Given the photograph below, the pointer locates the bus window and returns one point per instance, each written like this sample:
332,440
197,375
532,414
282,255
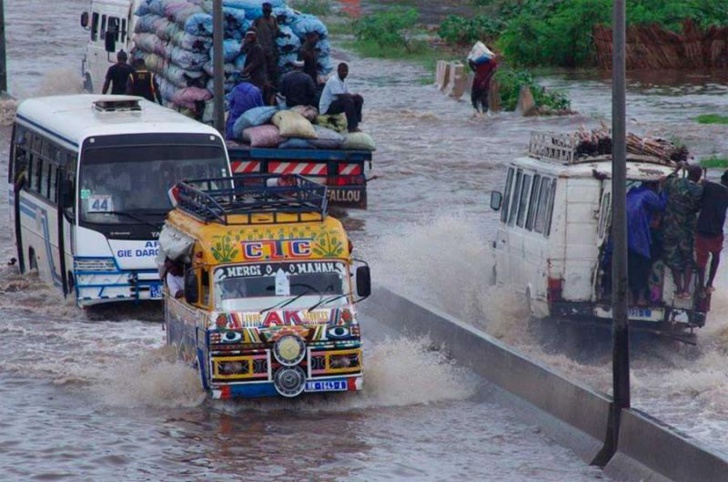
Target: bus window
543,199
95,26
507,196
53,184
550,209
522,203
516,196
45,177
533,203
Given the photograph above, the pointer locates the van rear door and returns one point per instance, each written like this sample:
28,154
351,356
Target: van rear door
602,282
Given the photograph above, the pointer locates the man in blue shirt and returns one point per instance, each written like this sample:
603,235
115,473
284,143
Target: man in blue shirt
643,203
241,99
336,98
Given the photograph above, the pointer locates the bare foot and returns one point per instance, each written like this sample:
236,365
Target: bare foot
709,289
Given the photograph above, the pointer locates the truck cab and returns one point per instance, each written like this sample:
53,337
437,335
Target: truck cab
110,26
270,287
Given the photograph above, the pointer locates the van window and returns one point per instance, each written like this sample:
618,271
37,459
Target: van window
506,196
122,34
516,197
604,214
523,202
94,26
102,35
543,199
550,209
533,202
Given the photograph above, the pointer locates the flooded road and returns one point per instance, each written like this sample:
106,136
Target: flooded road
90,397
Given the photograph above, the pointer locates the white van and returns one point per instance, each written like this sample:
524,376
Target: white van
551,243
110,25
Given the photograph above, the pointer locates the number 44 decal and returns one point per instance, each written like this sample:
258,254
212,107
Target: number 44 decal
100,204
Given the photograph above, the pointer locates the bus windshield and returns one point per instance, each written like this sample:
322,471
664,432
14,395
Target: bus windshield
128,185
289,286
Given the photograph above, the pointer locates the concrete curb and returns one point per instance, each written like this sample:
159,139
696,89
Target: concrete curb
573,414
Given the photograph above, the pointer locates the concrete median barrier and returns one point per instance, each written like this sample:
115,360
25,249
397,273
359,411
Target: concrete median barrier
651,450
572,414
579,415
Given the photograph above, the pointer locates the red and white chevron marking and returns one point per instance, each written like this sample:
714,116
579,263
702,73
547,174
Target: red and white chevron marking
246,166
304,168
349,169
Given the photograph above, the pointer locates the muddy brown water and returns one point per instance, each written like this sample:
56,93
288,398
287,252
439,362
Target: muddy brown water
91,397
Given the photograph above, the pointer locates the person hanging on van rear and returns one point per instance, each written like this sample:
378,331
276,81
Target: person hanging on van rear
118,75
683,202
709,232
143,83
643,203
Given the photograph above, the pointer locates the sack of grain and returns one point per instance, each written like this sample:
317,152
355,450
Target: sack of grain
358,141
293,124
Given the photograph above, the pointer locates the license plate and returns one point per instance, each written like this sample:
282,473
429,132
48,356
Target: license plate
327,386
155,291
639,313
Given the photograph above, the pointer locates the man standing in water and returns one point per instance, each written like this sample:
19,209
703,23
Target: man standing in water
683,201
481,85
709,232
118,75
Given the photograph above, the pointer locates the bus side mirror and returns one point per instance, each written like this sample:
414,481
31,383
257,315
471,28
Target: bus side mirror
496,200
84,20
110,41
191,291
363,282
65,194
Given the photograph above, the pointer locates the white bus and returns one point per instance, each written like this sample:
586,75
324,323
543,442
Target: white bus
88,179
552,243
115,18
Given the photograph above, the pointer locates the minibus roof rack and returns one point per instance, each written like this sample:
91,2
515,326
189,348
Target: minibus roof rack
585,146
216,199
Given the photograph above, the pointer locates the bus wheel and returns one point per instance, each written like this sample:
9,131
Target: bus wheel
88,85
32,262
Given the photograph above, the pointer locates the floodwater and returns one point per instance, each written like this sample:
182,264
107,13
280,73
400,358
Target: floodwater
96,396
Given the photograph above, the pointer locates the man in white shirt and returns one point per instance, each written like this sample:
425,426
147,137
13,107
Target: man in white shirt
175,278
336,98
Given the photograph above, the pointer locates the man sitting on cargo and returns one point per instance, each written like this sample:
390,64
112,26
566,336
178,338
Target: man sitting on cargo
241,99
643,203
683,201
297,87
709,233
336,98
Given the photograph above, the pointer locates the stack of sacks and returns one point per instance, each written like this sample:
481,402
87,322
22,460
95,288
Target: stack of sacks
298,128
175,39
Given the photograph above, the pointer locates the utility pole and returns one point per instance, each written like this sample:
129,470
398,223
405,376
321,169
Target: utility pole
3,62
218,62
620,320
620,330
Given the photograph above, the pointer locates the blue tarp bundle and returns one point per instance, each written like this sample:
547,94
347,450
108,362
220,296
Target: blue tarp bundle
175,39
